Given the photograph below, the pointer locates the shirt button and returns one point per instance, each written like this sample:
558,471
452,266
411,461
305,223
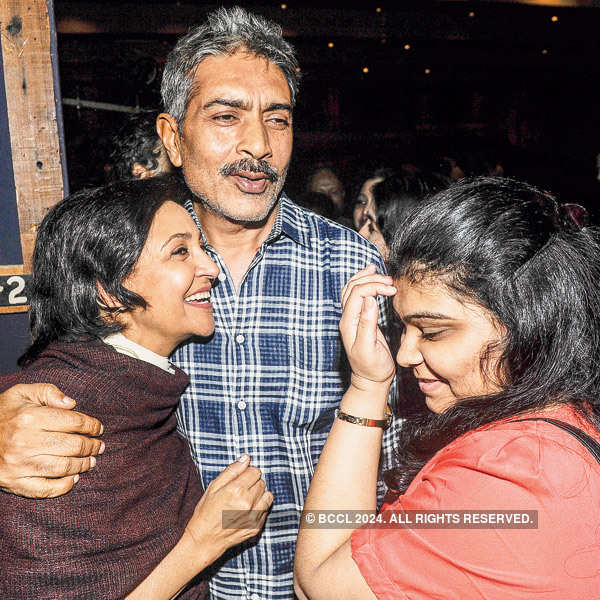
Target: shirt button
221,276
241,405
239,338
255,597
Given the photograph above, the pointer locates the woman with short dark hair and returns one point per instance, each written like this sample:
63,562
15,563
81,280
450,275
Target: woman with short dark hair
497,291
119,280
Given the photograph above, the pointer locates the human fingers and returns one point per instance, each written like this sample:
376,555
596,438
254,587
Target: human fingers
257,506
365,279
251,517
63,444
29,420
59,466
67,421
229,473
257,490
44,394
371,286
40,487
248,478
248,529
366,330
239,494
265,501
262,507
27,449
368,270
48,455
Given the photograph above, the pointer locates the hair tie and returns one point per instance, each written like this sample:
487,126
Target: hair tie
572,217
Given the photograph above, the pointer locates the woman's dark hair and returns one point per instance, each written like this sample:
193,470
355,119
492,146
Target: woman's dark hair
397,194
511,249
93,236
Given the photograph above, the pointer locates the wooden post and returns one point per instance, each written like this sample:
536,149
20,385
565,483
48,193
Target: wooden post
31,108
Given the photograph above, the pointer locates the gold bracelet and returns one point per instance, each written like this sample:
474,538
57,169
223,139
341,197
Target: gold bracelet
364,421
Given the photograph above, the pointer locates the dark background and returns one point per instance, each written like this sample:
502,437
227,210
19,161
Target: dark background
506,83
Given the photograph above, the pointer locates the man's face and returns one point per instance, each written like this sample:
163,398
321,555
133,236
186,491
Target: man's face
236,140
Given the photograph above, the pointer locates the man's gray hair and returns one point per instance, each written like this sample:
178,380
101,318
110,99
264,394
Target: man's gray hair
225,31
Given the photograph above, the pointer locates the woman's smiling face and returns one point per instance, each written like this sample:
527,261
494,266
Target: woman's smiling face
443,342
174,275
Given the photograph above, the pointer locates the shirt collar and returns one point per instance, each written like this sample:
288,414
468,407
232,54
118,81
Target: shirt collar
291,221
294,222
124,345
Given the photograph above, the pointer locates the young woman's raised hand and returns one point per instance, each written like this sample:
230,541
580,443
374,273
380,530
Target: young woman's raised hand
367,350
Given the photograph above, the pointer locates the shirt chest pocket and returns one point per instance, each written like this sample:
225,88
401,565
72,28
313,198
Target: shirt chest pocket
304,379
309,353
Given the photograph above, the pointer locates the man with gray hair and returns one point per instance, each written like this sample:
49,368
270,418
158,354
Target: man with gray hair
269,381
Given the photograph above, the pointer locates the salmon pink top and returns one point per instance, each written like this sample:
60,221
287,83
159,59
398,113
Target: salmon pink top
505,466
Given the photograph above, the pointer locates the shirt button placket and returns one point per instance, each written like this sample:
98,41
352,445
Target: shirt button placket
241,404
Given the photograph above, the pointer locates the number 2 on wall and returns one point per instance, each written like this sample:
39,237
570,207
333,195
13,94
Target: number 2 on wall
13,296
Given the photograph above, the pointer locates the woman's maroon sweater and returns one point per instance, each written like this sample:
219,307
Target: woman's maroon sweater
106,535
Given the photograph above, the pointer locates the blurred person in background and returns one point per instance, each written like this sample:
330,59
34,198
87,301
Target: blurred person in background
325,181
318,203
138,151
387,197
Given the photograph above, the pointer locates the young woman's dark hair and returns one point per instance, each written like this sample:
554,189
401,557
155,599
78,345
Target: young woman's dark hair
511,249
397,194
93,236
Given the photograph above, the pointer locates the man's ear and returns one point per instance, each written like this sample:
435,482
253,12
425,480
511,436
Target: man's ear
106,301
168,131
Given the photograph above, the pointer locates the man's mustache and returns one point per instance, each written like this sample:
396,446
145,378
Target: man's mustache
252,166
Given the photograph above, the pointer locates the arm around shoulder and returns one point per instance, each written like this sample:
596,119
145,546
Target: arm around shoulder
35,418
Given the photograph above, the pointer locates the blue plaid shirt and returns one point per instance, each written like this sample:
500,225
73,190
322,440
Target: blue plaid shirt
268,382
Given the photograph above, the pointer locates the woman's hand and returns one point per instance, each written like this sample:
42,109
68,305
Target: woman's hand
367,350
346,474
239,490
